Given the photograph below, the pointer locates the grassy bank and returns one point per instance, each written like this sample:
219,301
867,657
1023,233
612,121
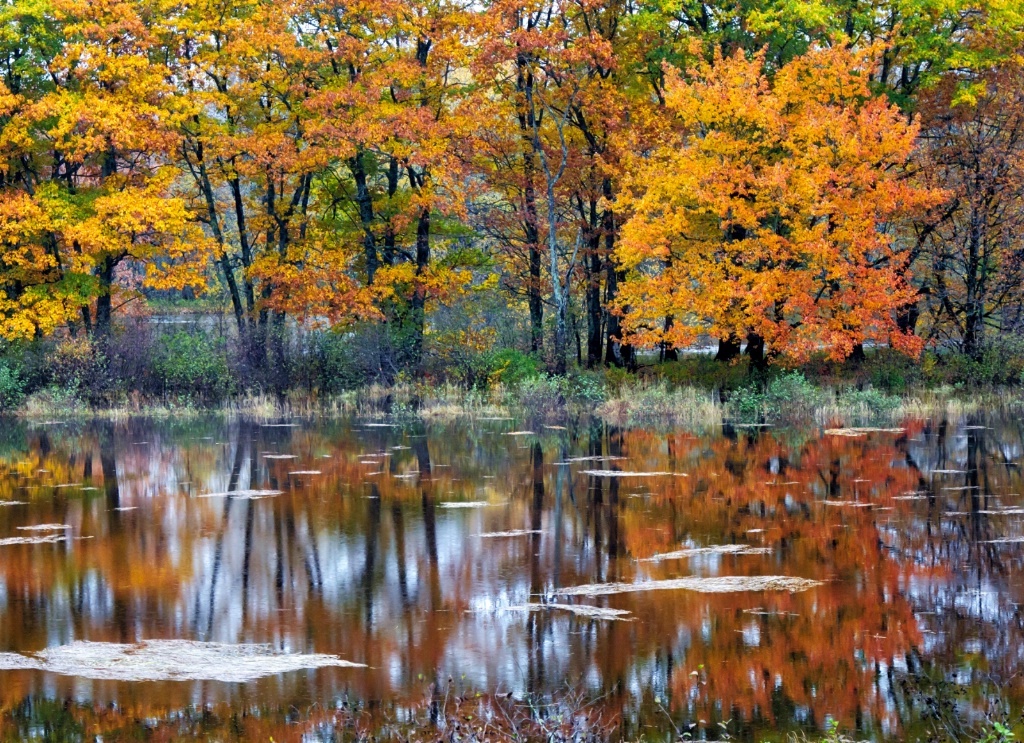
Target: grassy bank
197,370
785,399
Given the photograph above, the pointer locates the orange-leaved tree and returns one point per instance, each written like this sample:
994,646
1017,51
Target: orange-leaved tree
773,212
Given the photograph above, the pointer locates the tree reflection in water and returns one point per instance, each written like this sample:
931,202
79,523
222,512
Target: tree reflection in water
912,534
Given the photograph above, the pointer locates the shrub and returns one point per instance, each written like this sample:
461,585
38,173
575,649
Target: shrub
1001,363
77,368
538,394
785,396
581,388
658,404
891,370
511,367
865,405
701,370
336,363
191,363
12,389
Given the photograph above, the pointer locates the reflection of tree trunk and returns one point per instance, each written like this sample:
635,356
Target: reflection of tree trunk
218,552
253,465
430,533
108,466
971,482
596,488
369,560
615,450
398,522
279,563
561,478
247,558
535,622
613,524
536,516
422,456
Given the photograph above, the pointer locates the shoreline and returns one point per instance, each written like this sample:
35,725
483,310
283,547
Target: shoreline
633,404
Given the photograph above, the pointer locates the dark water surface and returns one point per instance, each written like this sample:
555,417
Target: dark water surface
911,533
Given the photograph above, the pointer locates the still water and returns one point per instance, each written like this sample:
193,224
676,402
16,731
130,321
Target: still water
413,549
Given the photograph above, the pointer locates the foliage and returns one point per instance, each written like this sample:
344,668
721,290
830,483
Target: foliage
192,363
511,368
702,371
76,364
760,215
12,388
660,405
785,396
974,147
429,189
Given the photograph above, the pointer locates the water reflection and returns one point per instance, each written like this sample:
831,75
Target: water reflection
340,538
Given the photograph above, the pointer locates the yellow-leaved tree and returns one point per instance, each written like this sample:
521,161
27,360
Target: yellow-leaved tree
86,174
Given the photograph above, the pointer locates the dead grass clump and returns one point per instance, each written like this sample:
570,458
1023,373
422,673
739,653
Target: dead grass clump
656,404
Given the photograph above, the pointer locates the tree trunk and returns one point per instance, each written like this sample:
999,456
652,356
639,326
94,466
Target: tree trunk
668,351
418,304
365,203
389,228
756,352
593,290
729,348
536,304
243,243
974,301
974,331
105,274
524,85
617,353
560,293
906,318
224,261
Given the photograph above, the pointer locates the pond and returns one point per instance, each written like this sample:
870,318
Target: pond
256,579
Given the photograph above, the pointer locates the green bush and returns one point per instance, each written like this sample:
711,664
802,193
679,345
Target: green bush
891,370
702,371
335,365
869,403
76,364
784,396
582,388
1001,363
544,393
12,388
191,363
538,394
511,367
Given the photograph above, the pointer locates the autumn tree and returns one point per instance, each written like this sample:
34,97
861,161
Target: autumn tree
773,214
87,180
244,77
973,145
553,102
